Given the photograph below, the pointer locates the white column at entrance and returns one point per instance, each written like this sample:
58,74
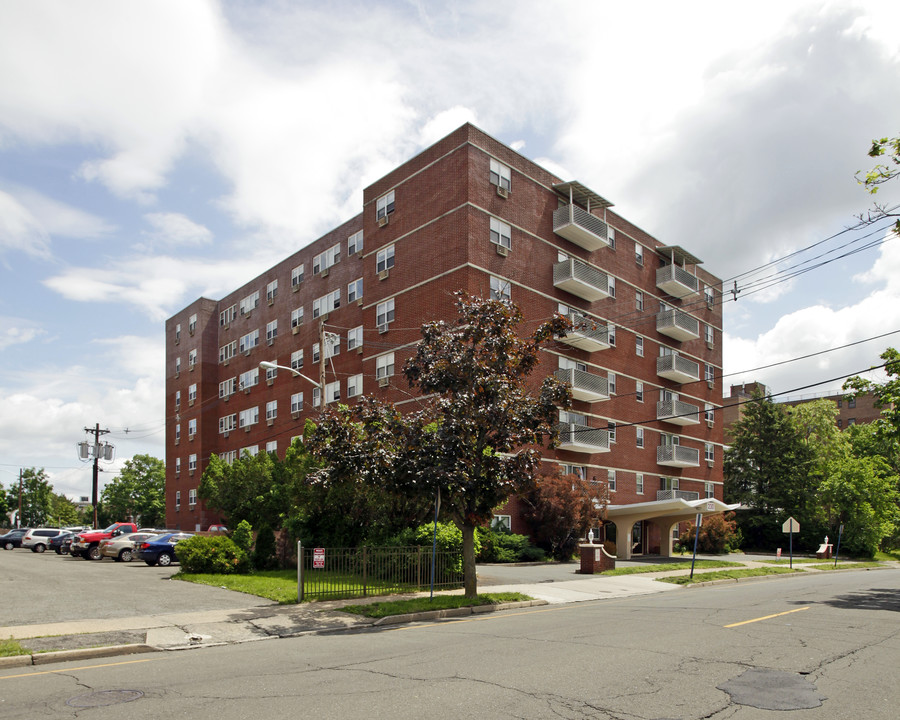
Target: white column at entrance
665,541
623,538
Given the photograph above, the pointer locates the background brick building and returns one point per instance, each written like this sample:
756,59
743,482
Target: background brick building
468,213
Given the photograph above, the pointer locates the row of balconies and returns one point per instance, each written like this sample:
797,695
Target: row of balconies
585,439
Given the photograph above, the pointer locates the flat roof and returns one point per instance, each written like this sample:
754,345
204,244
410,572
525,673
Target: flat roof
581,194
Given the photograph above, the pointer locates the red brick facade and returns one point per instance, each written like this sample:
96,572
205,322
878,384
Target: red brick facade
440,228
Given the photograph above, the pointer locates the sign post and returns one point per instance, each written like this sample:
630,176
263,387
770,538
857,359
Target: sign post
696,535
840,534
790,527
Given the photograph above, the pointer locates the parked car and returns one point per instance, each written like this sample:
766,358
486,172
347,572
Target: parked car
161,549
61,543
121,548
37,539
13,538
87,544
218,528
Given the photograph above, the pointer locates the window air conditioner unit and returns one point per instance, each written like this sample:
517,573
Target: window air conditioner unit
502,191
270,341
384,382
710,384
270,382
247,352
270,422
226,433
177,375
191,436
383,328
295,415
710,463
359,302
710,344
325,272
359,350
246,428
710,423
383,274
382,221
225,398
191,402
295,288
271,301
295,329
502,250
178,508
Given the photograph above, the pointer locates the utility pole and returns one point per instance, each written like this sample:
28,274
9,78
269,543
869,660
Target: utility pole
321,366
19,516
85,449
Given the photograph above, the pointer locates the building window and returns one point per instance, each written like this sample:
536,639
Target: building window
250,450
177,365
851,421
227,351
501,234
227,316
317,396
271,331
710,413
639,483
355,243
192,497
315,353
576,470
248,417
611,480
354,385
227,423
296,317
271,373
332,345
384,313
501,523
177,399
851,403
271,410
710,373
639,253
639,392
192,324
249,341
611,380
639,437
192,427
710,489
611,426
639,346
272,446
297,275
639,301
192,462
611,334
177,492
333,391
326,303
226,387
500,175
325,260
248,303
500,289
355,338
229,456
840,423
710,297
271,291
384,259
384,365
710,452
248,379
177,471
668,483
710,336
192,359
297,359
355,290
384,206
296,402
611,238
177,432
612,286
178,333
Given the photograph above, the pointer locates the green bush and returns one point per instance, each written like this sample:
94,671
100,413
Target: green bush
718,534
263,557
505,547
243,536
216,554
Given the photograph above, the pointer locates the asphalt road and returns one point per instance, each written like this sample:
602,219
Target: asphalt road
47,588
824,647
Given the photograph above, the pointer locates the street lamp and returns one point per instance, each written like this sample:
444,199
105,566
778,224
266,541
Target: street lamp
266,365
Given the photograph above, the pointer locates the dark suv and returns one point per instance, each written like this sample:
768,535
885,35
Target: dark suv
13,538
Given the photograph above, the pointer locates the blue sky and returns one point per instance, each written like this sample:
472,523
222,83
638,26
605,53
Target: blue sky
153,152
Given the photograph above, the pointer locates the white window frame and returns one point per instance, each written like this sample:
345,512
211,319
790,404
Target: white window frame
177,471
271,291
709,452
710,335
248,379
332,391
297,275
192,462
249,303
612,285
639,437
324,260
227,387
228,351
500,175
611,383
192,427
177,399
355,243
296,402
639,483
639,253
639,301
297,317
611,334
384,205
355,290
354,385
249,341
271,409
248,417
192,358
384,258
271,330
611,480
297,359
327,303
611,430
500,289
384,365
384,313
639,392
192,392
639,346
355,337
501,233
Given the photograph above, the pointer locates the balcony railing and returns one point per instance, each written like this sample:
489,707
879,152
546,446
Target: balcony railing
676,281
677,456
586,334
677,324
677,412
580,279
581,227
583,439
677,368
585,386
673,494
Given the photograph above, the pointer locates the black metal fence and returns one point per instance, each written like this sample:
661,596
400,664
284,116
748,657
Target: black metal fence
332,573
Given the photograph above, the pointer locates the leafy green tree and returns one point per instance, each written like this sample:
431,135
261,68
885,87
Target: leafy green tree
65,512
37,498
4,506
139,492
253,488
474,439
882,173
887,397
769,469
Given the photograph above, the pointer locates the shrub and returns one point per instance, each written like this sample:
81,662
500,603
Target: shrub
718,535
505,547
243,536
263,556
217,554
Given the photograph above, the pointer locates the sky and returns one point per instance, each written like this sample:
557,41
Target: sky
154,152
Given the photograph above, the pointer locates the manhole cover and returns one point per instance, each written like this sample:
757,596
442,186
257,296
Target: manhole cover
773,690
104,698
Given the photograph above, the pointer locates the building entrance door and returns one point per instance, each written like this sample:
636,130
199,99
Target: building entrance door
638,539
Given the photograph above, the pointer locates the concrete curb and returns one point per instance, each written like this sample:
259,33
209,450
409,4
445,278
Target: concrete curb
428,615
808,571
48,658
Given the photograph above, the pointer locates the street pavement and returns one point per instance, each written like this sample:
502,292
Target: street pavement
99,637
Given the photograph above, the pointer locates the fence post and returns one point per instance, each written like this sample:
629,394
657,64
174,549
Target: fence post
299,571
365,571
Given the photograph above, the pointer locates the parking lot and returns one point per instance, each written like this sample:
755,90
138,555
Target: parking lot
46,588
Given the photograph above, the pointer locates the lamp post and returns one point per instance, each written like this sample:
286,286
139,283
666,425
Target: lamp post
266,365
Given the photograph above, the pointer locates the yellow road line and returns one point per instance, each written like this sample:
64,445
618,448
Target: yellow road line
84,667
767,617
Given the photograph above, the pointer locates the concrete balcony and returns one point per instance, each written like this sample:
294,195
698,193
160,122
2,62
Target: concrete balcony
580,279
677,412
583,439
678,325
688,495
580,227
676,281
677,368
677,456
586,334
585,386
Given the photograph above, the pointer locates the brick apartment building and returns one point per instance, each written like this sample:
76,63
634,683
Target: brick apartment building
469,213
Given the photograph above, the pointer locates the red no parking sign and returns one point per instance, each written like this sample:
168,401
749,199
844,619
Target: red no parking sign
318,558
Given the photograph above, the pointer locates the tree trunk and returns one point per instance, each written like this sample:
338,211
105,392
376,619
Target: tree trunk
470,580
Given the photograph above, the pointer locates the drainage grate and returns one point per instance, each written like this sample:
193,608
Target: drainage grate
104,698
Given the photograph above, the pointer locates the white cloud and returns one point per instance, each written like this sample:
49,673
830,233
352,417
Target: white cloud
17,331
176,230
20,230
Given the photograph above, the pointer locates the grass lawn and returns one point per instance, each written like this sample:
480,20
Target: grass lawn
889,555
787,561
728,574
10,647
663,567
845,565
439,602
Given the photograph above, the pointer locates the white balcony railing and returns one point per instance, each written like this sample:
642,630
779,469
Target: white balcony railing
678,325
673,494
677,412
581,227
583,439
677,456
677,368
676,281
580,279
586,334
585,386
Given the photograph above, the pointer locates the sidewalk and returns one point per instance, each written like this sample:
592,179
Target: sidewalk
82,639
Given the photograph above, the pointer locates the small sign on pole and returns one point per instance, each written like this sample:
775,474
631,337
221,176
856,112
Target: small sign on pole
790,527
318,558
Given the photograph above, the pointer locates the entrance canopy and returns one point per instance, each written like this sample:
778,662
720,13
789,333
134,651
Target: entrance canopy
664,513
